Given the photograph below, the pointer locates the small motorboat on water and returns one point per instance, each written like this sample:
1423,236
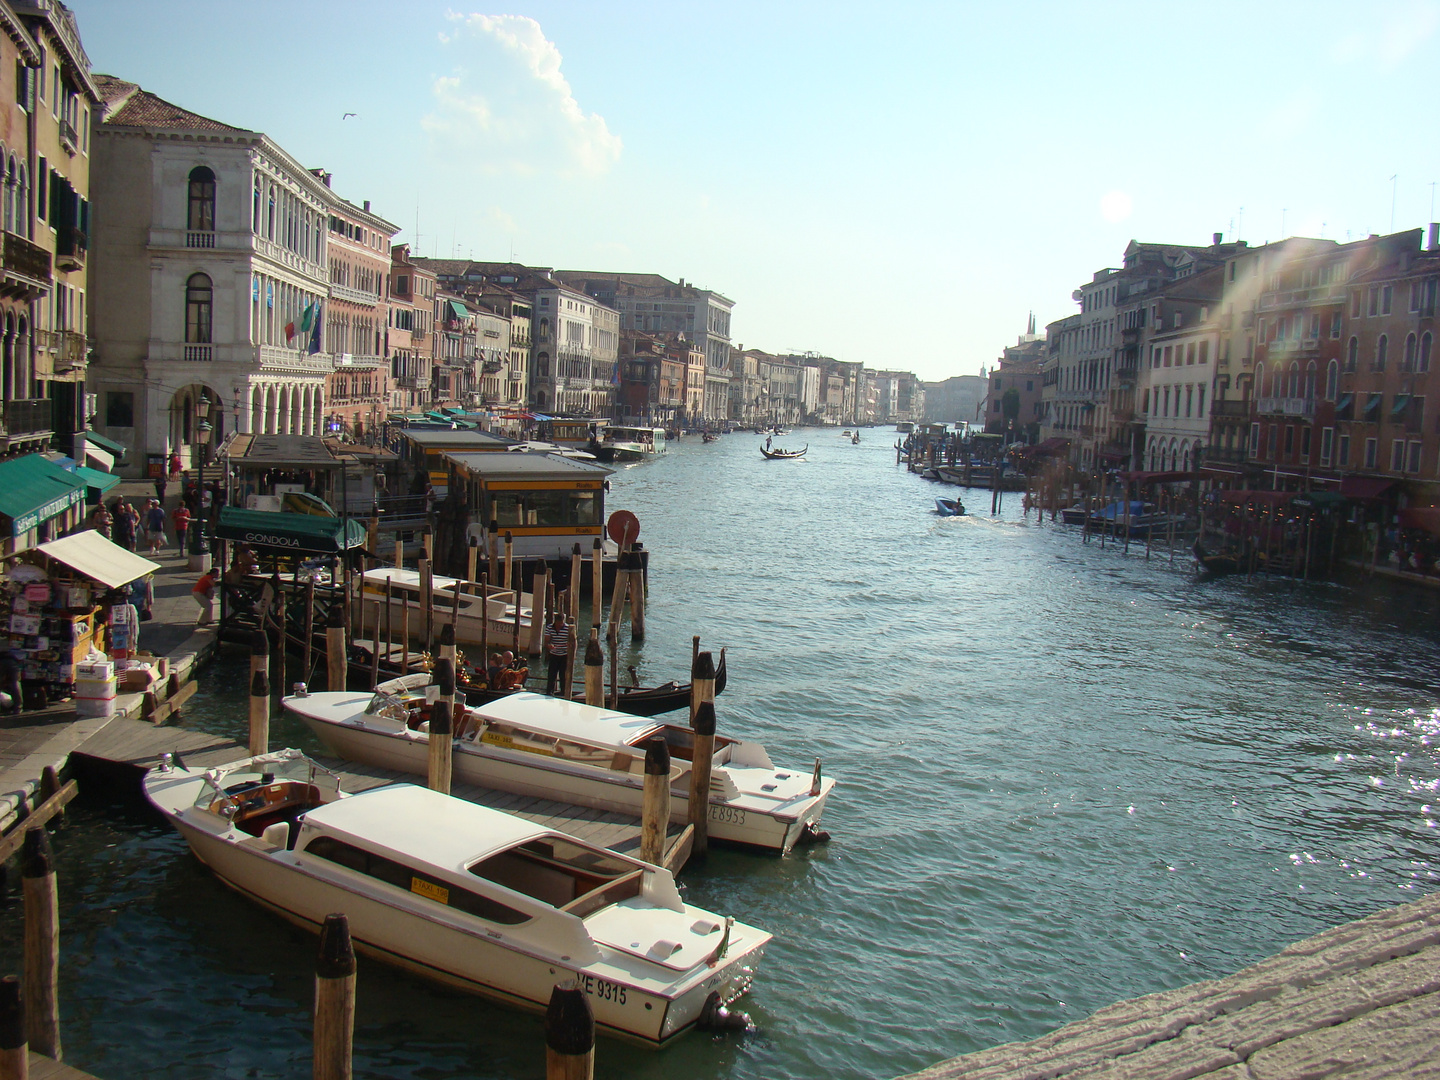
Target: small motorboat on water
462,894
551,748
949,507
1215,564
783,455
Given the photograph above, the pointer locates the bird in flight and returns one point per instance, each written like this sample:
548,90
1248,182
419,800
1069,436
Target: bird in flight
348,115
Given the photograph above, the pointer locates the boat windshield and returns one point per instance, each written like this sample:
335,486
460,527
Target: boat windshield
390,706
274,771
563,873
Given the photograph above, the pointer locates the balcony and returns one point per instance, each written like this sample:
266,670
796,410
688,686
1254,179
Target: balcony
1234,455
354,296
492,367
70,248
34,416
276,358
1233,409
27,265
200,239
1299,407
67,347
201,354
1324,294
67,137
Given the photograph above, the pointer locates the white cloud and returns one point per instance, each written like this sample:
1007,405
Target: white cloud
1399,31
508,102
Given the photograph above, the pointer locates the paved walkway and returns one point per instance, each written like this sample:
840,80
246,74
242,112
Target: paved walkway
1361,1001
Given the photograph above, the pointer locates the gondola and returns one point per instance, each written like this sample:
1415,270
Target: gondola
1215,564
784,455
949,507
709,436
636,700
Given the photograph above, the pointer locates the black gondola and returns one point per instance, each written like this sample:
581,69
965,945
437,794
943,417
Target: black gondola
783,455
1215,564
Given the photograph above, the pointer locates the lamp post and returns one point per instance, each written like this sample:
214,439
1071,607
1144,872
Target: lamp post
199,555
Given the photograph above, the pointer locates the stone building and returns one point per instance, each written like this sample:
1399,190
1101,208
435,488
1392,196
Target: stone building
212,279
357,317
411,321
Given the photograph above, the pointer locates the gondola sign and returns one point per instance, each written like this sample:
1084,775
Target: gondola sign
623,527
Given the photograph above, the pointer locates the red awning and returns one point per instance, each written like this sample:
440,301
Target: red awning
1364,487
1264,498
1421,517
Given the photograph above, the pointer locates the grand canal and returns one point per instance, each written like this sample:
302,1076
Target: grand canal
1068,776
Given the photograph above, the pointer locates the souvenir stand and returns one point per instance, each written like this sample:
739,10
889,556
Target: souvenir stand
52,602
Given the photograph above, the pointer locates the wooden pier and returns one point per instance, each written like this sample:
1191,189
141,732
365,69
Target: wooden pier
125,746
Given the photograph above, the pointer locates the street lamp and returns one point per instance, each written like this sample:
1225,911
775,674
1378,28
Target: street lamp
198,553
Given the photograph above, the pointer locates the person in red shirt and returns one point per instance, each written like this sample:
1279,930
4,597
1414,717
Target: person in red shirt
180,518
204,594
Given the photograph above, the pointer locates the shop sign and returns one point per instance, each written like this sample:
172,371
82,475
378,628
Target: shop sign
27,521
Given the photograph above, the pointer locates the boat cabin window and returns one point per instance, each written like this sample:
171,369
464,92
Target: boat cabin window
556,507
680,741
411,880
559,872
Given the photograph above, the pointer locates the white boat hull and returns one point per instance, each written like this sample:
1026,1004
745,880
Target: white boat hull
540,777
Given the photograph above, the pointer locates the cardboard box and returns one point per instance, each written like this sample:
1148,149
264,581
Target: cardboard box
137,680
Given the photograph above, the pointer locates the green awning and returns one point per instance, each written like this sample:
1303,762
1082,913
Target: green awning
95,479
33,490
1402,402
458,309
1320,500
1372,404
302,533
107,444
1344,402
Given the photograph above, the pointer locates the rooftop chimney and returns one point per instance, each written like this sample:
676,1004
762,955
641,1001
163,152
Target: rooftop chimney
367,210
1432,243
1215,238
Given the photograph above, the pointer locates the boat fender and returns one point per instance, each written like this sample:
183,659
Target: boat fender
716,1017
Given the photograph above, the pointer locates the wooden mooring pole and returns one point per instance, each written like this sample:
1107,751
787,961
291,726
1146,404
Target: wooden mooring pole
569,1035
704,753
655,811
42,944
597,578
259,714
14,1047
539,590
702,681
334,1001
442,714
335,665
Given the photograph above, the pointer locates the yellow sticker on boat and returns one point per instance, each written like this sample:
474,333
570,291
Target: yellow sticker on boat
495,738
430,889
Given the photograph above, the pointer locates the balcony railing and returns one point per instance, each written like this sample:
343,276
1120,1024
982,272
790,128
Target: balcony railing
1230,454
29,417
67,136
67,345
200,239
1285,406
199,353
1230,408
355,296
70,248
26,260
491,367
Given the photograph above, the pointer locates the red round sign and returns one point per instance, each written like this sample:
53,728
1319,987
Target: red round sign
623,527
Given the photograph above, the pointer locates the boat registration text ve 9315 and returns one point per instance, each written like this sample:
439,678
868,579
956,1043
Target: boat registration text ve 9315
600,988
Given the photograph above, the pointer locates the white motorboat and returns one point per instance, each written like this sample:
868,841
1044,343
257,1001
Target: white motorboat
496,606
551,748
462,894
623,444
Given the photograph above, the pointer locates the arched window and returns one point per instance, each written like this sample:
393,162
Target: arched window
1426,341
1294,379
11,184
201,214
199,301
1409,364
542,364
1259,380
1332,380
255,206
1352,354
270,215
1382,349
1310,381
22,203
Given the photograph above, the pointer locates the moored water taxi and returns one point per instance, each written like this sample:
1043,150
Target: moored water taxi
462,894
551,748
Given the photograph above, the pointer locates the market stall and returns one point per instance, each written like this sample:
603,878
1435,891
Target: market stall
59,602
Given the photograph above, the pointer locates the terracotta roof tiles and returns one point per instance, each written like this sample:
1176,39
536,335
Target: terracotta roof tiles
140,108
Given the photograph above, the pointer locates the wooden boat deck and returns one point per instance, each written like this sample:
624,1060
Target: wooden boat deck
139,744
44,1068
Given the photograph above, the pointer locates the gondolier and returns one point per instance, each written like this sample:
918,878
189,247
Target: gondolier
558,640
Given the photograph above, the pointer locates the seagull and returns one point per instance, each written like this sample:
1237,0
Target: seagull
348,115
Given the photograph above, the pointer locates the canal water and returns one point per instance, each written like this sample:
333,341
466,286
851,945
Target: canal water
1067,776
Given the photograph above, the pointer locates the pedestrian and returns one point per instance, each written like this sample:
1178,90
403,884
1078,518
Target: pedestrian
126,524
175,466
160,486
180,518
155,525
204,594
100,520
557,652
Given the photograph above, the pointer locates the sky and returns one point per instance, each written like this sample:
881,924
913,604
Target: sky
897,184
